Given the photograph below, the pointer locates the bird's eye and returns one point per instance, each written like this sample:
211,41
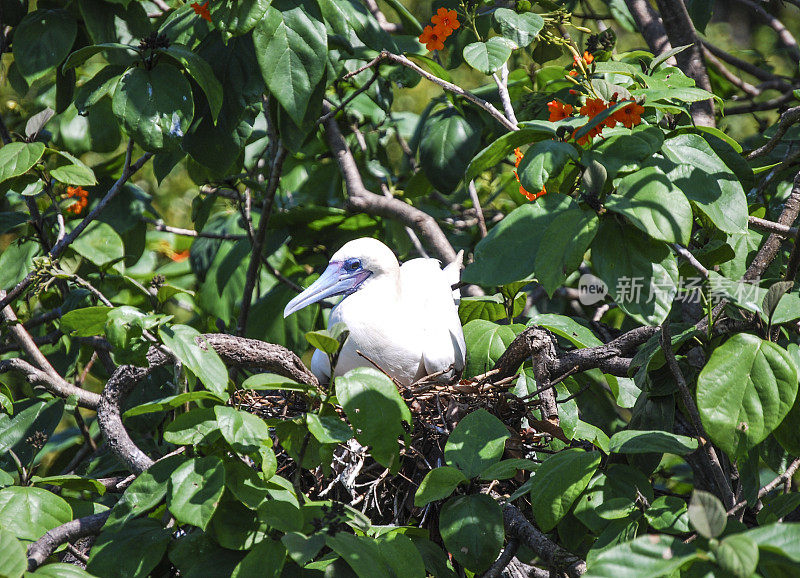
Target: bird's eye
352,265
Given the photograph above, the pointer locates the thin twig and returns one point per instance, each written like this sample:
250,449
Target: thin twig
160,226
787,475
788,118
476,204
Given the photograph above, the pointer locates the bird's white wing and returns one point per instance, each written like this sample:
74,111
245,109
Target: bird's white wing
453,275
321,367
426,290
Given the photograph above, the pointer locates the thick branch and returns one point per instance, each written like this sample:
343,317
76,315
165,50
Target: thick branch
549,552
359,199
54,384
680,31
651,28
234,351
44,547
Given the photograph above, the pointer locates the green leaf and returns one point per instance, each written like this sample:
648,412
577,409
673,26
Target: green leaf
82,54
544,160
154,106
302,548
195,427
15,261
85,322
72,482
245,432
521,29
145,492
622,149
477,442
558,482
59,570
322,341
361,553
649,200
133,550
42,417
376,412
76,173
782,538
707,514
449,141
172,402
642,442
568,328
645,557
291,48
41,41
245,484
100,244
28,513
668,514
14,561
487,57
17,158
472,530
272,381
438,484
328,429
202,73
486,342
238,18
641,273
195,488
203,362
738,555
490,308
507,469
499,149
265,560
744,392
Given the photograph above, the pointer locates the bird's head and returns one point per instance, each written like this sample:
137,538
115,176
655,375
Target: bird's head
350,269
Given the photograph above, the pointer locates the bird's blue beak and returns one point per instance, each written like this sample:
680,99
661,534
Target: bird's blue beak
334,281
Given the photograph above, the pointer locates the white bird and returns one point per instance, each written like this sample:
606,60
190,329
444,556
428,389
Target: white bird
404,318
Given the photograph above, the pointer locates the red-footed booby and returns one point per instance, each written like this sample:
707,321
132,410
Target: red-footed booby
403,318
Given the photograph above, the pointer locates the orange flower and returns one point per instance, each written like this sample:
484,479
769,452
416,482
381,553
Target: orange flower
629,116
559,110
433,37
81,202
573,73
447,19
593,107
532,196
201,10
587,58
180,256
587,138
517,157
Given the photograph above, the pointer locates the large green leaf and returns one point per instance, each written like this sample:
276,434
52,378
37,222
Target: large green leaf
145,492
510,251
486,342
737,554
203,362
781,538
41,41
472,530
291,48
706,181
14,561
558,482
544,160
521,29
707,514
477,442
376,412
438,484
38,420
649,200
487,57
237,17
195,488
100,244
744,392
641,273
448,143
563,244
154,106
17,158
28,512
642,442
622,149
645,557
245,432
15,261
202,73
361,553
132,550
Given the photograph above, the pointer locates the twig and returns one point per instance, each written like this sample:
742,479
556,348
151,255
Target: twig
743,65
476,204
772,227
502,88
787,475
694,415
735,80
496,569
783,33
54,384
160,226
387,26
261,234
350,98
449,86
691,259
788,118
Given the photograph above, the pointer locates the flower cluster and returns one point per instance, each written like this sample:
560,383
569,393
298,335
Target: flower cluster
81,202
628,116
201,10
530,196
442,25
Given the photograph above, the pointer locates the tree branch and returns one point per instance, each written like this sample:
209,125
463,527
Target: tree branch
44,547
788,118
359,199
783,33
651,28
234,351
